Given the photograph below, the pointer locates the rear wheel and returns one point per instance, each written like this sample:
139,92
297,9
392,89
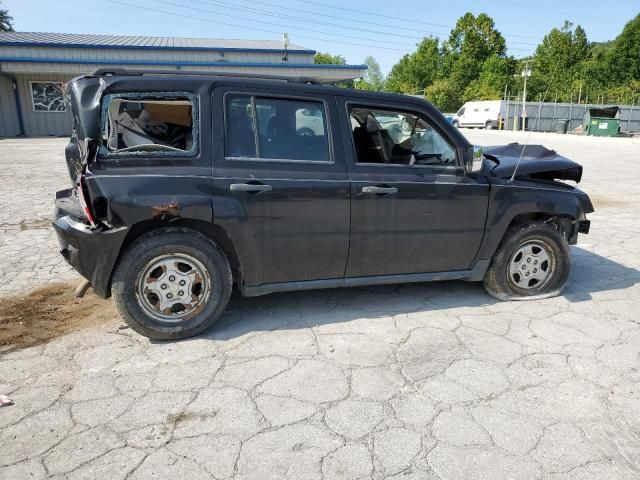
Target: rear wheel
172,284
488,126
532,262
456,124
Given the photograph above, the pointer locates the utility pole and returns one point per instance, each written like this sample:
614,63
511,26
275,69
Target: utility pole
525,74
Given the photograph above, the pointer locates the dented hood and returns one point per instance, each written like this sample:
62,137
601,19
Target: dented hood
537,162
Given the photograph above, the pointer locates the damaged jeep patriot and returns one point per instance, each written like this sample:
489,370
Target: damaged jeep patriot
187,184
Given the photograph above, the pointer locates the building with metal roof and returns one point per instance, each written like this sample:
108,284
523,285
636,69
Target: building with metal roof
34,65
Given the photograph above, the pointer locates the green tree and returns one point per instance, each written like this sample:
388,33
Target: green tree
496,72
400,79
471,42
444,95
623,59
416,71
6,21
595,70
328,59
372,78
626,93
559,61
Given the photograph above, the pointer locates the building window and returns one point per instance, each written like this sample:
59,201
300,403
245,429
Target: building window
48,97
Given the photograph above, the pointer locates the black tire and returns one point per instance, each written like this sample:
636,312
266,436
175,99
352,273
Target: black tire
499,282
455,124
488,126
166,242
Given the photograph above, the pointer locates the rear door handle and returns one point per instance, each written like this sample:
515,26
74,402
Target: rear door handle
382,190
250,187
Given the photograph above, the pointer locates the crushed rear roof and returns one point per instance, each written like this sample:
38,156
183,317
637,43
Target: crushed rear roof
125,41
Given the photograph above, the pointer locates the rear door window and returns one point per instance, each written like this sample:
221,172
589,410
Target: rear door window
276,129
151,123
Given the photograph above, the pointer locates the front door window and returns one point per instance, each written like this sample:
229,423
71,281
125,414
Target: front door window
388,137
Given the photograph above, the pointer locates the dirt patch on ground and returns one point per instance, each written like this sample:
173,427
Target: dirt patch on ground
35,223
604,201
47,313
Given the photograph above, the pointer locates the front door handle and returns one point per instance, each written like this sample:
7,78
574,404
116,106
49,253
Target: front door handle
250,187
380,190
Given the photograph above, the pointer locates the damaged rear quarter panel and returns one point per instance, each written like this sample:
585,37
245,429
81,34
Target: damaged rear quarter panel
126,189
125,200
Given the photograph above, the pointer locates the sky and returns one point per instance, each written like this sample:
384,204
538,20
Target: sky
381,28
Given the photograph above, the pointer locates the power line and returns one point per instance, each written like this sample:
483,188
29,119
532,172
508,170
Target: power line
219,22
551,10
235,7
283,25
290,27
318,14
410,20
271,14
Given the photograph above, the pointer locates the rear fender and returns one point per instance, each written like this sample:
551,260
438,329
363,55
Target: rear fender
121,202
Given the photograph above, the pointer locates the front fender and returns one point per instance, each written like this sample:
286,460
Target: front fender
508,200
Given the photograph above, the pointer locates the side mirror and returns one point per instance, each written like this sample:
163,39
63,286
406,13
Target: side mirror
475,160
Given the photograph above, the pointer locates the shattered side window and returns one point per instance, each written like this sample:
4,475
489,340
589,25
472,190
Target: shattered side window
151,123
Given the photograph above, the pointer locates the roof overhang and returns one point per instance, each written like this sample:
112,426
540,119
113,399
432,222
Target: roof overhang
97,46
326,73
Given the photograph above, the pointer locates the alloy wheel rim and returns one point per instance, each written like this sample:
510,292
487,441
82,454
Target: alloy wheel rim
531,266
173,287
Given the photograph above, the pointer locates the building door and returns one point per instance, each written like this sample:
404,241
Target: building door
9,119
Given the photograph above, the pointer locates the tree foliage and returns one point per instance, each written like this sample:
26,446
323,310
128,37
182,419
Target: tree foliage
472,64
472,41
372,78
496,72
414,72
328,59
6,21
623,57
559,61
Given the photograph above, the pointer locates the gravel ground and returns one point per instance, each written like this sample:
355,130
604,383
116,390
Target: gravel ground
421,381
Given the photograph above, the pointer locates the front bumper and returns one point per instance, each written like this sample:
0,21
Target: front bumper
92,253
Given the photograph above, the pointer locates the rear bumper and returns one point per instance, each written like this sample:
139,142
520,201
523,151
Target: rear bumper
92,253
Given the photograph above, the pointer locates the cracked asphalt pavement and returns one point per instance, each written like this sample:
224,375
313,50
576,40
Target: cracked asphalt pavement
422,381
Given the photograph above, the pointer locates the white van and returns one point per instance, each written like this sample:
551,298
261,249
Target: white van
482,114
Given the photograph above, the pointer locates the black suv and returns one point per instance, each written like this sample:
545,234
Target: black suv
185,184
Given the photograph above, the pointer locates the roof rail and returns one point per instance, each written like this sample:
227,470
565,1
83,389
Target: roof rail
107,72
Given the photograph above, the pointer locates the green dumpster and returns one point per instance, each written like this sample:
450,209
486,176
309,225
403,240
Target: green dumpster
602,122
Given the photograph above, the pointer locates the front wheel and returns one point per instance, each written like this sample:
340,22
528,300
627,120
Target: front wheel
172,284
532,262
